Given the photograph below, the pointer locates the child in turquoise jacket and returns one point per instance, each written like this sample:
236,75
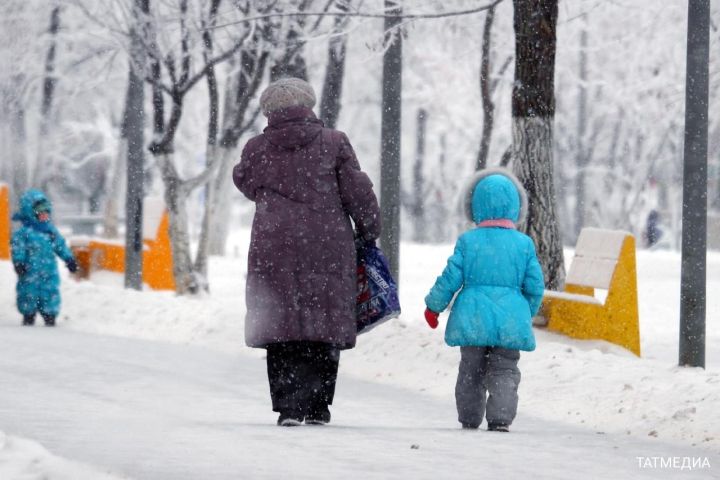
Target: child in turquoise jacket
34,246
501,285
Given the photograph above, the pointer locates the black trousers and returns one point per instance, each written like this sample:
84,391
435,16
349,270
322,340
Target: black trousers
302,376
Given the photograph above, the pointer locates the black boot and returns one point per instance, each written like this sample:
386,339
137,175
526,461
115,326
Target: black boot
49,320
319,415
28,320
290,419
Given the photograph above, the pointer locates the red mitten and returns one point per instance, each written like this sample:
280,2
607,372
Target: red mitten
431,318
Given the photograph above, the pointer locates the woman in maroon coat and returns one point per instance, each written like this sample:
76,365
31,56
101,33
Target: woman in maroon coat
301,286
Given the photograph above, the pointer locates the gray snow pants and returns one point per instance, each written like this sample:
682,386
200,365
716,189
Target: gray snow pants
488,370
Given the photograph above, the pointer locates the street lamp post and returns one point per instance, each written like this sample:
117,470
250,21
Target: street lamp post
694,213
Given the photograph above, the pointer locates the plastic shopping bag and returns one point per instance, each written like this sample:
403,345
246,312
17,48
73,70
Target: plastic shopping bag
377,300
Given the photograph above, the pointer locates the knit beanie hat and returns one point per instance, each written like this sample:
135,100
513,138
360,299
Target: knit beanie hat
287,92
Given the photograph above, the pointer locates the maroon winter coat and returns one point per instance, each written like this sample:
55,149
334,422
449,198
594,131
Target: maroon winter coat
306,184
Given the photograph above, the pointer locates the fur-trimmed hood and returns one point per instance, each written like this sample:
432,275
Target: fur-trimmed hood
26,213
501,196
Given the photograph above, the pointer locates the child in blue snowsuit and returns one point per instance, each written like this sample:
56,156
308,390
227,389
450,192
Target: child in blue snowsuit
501,287
34,246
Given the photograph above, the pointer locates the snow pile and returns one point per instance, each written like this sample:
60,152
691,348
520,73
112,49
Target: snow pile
22,459
586,383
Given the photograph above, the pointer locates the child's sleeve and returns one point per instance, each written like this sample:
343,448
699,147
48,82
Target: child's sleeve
448,283
533,285
18,246
60,247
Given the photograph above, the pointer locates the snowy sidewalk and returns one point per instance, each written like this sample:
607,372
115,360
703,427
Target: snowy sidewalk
151,410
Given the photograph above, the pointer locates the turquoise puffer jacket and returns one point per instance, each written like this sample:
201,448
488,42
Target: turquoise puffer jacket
496,270
34,245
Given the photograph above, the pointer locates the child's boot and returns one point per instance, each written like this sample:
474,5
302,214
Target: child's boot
498,427
49,320
28,320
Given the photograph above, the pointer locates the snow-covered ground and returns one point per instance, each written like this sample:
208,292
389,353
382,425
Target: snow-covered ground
157,411
567,386
22,459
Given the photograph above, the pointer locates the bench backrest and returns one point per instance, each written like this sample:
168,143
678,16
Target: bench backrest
596,256
153,210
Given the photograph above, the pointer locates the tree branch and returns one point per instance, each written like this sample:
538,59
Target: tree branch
406,16
189,83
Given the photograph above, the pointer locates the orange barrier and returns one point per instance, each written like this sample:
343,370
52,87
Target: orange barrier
4,222
101,254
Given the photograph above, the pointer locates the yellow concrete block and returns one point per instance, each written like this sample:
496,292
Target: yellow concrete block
616,320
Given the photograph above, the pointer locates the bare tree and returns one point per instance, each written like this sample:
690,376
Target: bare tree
211,151
289,61
181,79
417,207
582,157
241,88
487,88
272,43
15,83
533,109
48,91
335,71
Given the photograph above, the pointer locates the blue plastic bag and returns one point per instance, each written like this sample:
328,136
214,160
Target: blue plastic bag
377,300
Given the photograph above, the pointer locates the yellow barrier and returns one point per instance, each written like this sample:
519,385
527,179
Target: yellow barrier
157,254
604,259
4,222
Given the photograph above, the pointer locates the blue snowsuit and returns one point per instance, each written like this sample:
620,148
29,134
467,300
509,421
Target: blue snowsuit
501,285
34,246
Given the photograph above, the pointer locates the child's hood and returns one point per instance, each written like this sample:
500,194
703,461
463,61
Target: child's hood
28,200
494,194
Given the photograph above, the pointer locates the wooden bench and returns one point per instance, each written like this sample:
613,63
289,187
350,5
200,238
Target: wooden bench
103,254
604,259
4,222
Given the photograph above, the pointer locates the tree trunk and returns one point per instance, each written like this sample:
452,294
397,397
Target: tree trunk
443,191
18,139
176,202
134,132
334,74
111,222
201,257
418,207
220,204
49,83
533,114
486,93
291,62
390,137
582,149
239,93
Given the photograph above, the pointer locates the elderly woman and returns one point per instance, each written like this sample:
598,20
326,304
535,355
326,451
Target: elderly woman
301,285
